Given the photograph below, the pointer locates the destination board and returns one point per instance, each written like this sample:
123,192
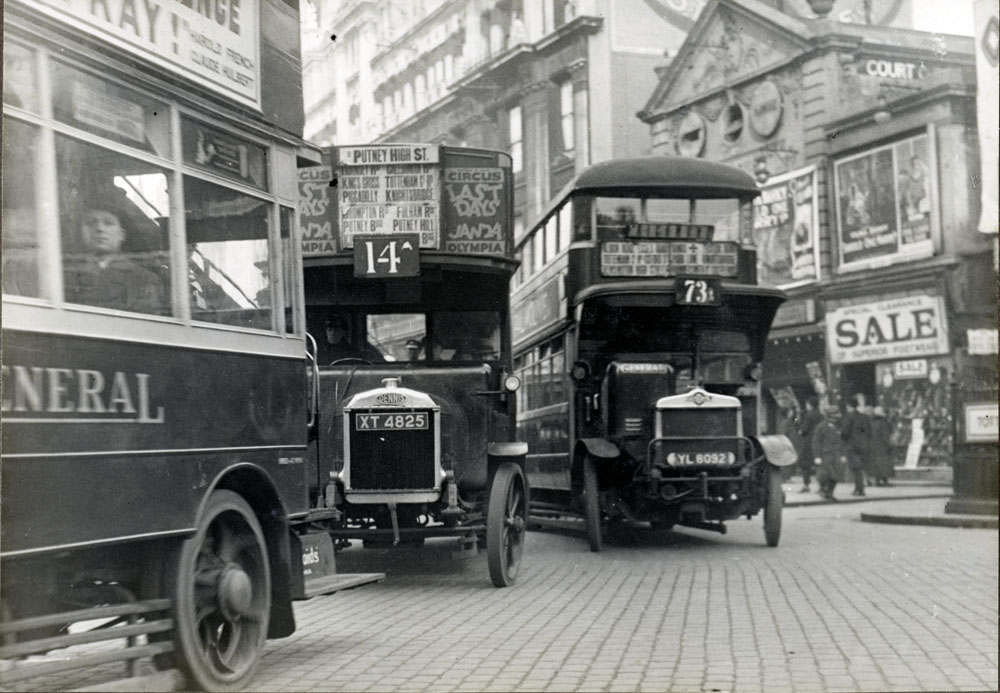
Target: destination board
668,259
388,190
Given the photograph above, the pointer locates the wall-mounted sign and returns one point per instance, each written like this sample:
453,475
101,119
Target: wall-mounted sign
765,109
786,229
886,204
216,44
388,190
983,342
668,259
911,368
474,211
894,69
899,328
691,135
316,210
795,312
982,422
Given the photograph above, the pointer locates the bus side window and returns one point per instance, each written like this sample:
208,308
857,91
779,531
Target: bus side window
20,240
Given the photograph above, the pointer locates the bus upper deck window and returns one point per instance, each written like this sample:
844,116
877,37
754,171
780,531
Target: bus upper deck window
21,274
20,81
723,214
113,213
105,108
229,264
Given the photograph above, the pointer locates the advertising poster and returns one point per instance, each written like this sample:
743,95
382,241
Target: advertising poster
785,228
474,212
884,204
315,211
216,45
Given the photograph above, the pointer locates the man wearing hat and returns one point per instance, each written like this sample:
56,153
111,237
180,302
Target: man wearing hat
101,274
828,450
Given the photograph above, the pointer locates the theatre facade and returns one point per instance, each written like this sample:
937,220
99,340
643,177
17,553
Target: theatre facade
863,140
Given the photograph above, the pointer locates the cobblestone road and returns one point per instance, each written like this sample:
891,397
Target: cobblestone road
841,605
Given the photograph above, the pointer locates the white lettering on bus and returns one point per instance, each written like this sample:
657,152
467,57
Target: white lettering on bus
65,391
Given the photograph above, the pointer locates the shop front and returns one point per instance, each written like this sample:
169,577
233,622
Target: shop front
894,351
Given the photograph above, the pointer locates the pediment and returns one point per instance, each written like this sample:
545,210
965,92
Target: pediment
728,43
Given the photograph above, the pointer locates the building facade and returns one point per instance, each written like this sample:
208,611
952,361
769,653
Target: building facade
863,139
556,83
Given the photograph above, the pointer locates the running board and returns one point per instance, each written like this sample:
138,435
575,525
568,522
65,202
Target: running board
328,584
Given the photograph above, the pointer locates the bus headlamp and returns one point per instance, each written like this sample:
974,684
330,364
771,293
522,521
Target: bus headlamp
580,371
754,372
511,383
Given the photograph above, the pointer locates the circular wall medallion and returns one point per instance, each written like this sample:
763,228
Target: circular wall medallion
765,109
691,135
732,122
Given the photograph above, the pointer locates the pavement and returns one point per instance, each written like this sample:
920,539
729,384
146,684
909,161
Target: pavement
906,514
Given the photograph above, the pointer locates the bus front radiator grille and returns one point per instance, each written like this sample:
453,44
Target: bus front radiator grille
392,460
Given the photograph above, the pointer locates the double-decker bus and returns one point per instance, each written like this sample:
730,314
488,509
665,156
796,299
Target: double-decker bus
638,335
155,370
407,291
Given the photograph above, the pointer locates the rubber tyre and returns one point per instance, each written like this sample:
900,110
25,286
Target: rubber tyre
506,524
222,596
592,505
772,508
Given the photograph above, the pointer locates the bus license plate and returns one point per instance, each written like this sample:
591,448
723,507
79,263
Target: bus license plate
391,422
680,459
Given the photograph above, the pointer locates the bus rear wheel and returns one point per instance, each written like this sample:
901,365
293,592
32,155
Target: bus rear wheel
773,507
592,504
222,596
506,524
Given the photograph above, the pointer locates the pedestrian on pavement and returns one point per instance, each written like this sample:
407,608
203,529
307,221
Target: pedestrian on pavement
881,455
810,420
856,432
827,447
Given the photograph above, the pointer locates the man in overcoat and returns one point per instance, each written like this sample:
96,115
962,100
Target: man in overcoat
827,448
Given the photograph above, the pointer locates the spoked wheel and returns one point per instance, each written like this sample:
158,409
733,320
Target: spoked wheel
772,509
506,523
592,504
222,596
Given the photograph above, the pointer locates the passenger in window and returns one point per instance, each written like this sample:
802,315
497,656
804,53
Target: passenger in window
102,274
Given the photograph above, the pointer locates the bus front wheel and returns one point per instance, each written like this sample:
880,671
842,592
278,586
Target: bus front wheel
506,523
592,504
222,596
773,507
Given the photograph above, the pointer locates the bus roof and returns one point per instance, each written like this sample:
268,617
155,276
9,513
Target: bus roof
680,174
675,175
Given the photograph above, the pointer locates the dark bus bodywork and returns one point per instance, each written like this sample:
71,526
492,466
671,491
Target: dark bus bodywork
155,425
417,426
641,403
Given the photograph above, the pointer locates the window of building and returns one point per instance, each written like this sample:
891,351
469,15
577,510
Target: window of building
566,116
515,138
538,241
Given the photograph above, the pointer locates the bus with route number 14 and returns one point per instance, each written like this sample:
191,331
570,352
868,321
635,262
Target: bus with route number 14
638,336
407,274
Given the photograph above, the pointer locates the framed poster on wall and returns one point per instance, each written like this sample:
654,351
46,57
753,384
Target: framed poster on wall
786,230
886,204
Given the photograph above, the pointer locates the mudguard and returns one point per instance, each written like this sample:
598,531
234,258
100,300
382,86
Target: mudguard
599,447
778,450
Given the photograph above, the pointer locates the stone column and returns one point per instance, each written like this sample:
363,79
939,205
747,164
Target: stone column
581,113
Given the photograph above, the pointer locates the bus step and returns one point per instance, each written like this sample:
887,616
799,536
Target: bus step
468,546
328,584
564,521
